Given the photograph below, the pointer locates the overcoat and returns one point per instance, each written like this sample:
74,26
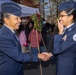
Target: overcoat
11,57
65,50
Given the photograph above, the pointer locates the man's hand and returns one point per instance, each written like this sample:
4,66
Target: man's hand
48,54
43,57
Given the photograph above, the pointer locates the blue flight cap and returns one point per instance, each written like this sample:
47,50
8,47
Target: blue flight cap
11,7
67,5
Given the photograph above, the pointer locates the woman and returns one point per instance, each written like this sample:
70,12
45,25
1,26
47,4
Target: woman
34,39
65,41
22,38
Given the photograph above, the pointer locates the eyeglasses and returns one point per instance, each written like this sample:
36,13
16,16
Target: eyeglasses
62,15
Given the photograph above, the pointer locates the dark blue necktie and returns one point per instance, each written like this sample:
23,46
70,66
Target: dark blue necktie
16,36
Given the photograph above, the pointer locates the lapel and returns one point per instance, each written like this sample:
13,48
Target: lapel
64,32
70,29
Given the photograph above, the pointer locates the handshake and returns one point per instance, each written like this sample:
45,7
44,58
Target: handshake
45,56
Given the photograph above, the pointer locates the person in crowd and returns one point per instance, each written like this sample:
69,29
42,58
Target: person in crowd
43,42
34,39
22,37
28,28
0,23
52,26
11,56
65,41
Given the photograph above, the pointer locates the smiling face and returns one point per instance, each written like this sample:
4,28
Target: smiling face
12,22
65,19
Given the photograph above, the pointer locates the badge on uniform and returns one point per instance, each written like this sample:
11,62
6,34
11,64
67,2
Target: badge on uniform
64,38
74,37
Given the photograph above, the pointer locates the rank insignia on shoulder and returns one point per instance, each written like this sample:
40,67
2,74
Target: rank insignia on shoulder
64,38
74,37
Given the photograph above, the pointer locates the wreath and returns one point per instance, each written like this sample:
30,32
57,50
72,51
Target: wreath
37,19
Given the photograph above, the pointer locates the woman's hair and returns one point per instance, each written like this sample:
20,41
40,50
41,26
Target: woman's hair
72,12
21,27
31,22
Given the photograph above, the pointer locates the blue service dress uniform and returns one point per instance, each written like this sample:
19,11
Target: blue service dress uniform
65,50
11,57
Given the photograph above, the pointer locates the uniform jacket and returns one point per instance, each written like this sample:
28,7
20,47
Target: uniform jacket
11,57
65,50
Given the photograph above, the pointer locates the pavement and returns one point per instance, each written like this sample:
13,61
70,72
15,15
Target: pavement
41,67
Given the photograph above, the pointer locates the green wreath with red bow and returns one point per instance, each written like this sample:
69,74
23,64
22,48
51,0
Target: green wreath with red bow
37,18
